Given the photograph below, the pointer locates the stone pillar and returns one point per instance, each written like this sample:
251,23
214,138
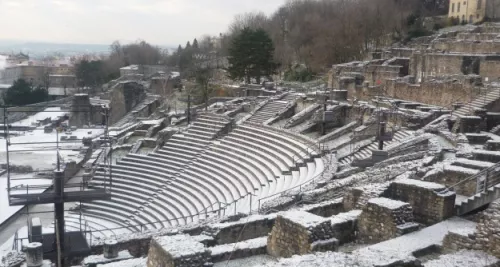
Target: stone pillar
34,254
110,249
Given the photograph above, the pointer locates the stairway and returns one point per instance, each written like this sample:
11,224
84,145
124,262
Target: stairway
271,109
366,151
488,190
480,102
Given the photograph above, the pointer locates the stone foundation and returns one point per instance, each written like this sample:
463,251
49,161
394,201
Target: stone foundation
429,205
177,251
381,217
295,232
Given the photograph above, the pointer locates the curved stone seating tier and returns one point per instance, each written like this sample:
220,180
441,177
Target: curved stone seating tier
271,156
300,148
263,174
234,176
169,206
284,154
192,176
129,183
100,227
304,145
174,188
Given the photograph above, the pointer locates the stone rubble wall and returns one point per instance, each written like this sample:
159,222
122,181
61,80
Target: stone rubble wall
378,223
290,238
487,233
429,206
245,229
357,197
449,178
157,256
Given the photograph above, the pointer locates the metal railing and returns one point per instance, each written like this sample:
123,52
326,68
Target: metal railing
485,179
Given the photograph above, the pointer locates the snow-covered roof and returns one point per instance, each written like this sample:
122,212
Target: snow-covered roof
387,203
180,245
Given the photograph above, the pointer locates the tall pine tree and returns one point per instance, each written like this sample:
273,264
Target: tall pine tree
251,56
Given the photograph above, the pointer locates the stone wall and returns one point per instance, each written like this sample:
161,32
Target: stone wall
426,65
458,240
429,205
294,233
177,251
380,219
357,197
468,47
441,93
124,97
244,229
487,234
451,177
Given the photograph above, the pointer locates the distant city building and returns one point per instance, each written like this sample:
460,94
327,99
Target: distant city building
17,59
146,70
33,72
473,11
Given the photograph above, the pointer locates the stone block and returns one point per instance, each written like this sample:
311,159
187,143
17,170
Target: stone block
431,203
177,251
381,217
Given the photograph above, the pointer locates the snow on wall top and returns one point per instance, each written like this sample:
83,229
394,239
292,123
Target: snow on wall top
387,203
422,184
467,258
303,218
95,259
459,169
247,244
180,245
345,216
249,219
483,164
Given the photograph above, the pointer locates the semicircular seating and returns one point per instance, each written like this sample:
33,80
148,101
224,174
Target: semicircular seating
199,172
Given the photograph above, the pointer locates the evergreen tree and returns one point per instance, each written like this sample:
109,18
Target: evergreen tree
23,93
188,46
251,55
195,44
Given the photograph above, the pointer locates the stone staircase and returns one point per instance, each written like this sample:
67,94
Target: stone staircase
480,102
366,151
488,190
271,109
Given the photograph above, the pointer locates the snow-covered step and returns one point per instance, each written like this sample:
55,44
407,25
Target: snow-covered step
473,164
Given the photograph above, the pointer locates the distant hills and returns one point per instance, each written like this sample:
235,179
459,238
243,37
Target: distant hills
40,49
36,49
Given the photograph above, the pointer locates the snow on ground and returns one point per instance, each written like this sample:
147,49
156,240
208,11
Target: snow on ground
399,249
6,210
254,261
139,262
467,258
180,245
52,113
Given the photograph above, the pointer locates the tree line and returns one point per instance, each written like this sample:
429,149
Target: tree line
319,33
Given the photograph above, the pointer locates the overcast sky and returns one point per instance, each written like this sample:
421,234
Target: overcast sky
161,22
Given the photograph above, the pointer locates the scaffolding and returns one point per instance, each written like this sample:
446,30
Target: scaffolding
64,186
